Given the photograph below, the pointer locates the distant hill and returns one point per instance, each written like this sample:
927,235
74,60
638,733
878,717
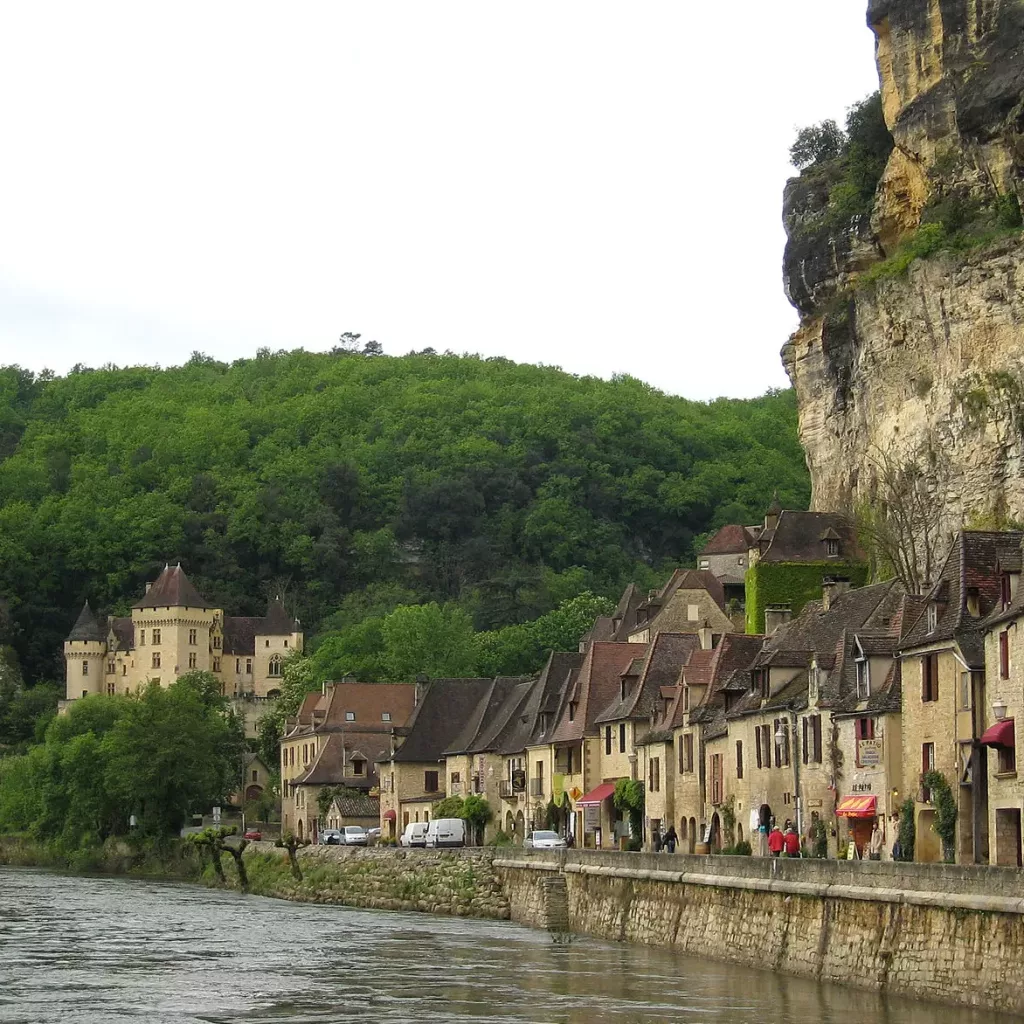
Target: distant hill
351,483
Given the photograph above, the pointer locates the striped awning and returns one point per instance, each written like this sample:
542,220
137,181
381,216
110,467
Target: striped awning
857,807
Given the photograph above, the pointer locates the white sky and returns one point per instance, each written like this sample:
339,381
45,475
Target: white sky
592,185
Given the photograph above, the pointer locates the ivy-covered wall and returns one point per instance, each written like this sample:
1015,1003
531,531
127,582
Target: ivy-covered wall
792,583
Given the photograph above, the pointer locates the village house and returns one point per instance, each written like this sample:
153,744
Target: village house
945,687
412,770
475,760
690,598
256,780
646,690
172,630
696,717
353,809
336,740
576,741
530,775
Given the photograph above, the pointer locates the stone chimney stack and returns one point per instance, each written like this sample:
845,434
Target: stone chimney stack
776,615
831,588
705,636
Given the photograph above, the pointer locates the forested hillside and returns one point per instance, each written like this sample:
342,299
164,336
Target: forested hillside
353,483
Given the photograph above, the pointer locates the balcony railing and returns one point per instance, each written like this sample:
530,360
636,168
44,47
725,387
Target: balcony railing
505,790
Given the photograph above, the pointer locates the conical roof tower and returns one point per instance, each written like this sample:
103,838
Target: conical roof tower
87,626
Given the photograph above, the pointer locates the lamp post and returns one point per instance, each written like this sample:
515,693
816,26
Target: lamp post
780,738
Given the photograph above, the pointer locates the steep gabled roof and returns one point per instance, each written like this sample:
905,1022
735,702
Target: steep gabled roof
801,536
439,718
172,589
595,687
337,751
277,621
488,717
973,564
735,654
730,540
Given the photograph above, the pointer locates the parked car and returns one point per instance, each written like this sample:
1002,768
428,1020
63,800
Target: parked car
446,832
254,834
330,837
415,834
353,835
543,839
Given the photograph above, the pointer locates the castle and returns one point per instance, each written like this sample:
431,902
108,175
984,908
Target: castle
172,630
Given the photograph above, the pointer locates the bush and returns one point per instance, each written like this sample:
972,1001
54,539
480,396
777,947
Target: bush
743,849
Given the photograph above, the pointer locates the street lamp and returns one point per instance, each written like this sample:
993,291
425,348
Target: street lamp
999,708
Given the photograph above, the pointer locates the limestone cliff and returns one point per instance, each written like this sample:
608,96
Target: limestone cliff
921,359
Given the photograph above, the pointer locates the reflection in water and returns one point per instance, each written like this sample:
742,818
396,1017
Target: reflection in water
102,951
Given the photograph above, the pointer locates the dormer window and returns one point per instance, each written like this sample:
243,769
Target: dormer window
1004,589
831,548
973,602
572,710
863,679
623,689
686,698
812,685
704,563
933,617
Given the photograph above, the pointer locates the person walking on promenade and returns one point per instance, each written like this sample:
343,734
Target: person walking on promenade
656,841
671,839
776,842
791,842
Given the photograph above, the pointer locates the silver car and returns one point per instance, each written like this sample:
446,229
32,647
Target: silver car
353,835
543,840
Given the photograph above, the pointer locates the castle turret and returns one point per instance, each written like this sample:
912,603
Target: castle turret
84,652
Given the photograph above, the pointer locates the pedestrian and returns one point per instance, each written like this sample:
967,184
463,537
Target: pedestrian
776,842
671,839
570,840
876,843
791,842
762,840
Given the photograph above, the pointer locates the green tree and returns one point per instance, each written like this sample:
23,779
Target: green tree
816,144
428,639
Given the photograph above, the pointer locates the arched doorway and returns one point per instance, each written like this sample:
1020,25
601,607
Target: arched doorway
692,841
510,824
520,827
298,829
716,832
739,833
253,792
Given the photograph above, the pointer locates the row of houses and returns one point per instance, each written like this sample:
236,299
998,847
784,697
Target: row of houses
830,719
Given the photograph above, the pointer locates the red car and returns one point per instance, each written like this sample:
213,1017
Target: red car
253,834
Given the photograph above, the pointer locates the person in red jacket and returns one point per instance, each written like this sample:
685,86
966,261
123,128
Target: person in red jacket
776,842
791,842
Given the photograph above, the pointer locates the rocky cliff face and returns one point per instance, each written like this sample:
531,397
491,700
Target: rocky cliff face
922,364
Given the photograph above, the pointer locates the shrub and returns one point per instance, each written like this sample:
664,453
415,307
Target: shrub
743,849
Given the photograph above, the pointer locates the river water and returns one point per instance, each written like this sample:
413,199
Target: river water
104,951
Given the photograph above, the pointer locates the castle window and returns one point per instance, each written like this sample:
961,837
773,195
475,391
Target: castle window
216,664
156,636
111,667
216,643
110,689
192,637
275,665
266,643
85,668
248,666
238,664
124,670
142,638
193,660
156,659
286,643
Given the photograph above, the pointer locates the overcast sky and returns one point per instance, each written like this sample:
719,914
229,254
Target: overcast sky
591,185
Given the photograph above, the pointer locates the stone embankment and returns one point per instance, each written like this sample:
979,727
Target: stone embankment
457,882
940,932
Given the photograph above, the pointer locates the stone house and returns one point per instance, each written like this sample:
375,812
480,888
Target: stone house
412,772
576,741
727,554
690,599
794,552
173,630
354,809
696,721
336,739
530,775
256,779
475,759
646,690
943,661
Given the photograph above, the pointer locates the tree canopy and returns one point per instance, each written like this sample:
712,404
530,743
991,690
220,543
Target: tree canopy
353,485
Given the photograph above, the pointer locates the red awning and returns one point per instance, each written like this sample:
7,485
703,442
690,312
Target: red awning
999,735
857,807
596,796
389,815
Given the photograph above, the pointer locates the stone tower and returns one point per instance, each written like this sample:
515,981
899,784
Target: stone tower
84,653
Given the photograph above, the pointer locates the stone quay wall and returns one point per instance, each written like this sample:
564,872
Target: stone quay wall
456,882
942,932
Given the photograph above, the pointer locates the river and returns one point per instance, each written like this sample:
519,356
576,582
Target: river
109,950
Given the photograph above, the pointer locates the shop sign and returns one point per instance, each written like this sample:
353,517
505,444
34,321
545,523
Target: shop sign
591,818
869,753
518,780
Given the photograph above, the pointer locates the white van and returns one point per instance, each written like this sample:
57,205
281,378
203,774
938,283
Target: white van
446,832
415,834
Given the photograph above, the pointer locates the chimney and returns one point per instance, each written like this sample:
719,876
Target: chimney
705,636
831,588
776,615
